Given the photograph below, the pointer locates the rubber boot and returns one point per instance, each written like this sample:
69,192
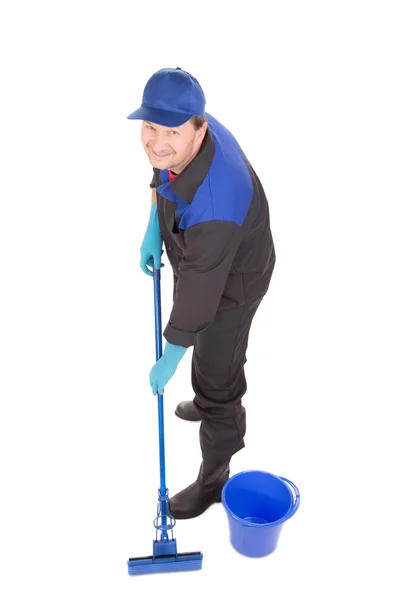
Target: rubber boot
197,497
187,410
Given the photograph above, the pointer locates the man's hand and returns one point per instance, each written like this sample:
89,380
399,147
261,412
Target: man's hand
150,250
165,367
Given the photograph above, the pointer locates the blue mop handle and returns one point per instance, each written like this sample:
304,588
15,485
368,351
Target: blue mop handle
158,328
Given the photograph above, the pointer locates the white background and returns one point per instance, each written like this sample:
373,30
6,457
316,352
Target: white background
311,91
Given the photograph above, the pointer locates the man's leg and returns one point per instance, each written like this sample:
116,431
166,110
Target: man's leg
219,383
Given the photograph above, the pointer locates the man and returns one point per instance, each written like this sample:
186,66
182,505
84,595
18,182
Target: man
210,210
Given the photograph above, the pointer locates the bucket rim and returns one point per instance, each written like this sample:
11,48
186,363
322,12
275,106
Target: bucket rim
294,504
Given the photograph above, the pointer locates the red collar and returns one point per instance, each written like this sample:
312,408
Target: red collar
172,175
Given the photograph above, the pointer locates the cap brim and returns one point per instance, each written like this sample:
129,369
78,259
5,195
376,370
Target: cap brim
160,117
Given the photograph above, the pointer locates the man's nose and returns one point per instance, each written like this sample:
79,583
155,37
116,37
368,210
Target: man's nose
160,147
160,139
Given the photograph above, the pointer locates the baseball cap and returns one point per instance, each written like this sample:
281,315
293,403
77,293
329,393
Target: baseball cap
171,97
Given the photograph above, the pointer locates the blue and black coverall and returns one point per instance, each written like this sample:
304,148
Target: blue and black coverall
214,221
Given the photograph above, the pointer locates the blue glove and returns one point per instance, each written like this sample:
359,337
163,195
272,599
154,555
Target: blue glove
165,367
150,250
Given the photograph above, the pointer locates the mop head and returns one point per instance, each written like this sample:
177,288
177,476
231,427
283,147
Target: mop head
165,558
165,555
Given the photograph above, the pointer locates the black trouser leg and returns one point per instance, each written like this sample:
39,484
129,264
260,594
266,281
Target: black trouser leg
219,382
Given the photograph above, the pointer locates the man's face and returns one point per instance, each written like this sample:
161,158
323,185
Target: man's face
171,147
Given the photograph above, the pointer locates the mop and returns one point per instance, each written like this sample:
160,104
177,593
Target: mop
165,555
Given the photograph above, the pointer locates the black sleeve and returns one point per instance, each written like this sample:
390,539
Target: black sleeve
210,249
154,182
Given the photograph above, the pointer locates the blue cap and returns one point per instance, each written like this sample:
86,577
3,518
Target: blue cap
171,97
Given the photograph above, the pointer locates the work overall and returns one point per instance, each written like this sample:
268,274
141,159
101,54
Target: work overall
214,220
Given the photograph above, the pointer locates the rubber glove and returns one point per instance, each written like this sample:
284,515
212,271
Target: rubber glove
150,250
165,367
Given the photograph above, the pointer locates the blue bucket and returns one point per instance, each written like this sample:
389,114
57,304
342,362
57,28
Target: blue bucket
257,504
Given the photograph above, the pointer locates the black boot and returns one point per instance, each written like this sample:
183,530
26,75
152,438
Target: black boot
187,410
197,497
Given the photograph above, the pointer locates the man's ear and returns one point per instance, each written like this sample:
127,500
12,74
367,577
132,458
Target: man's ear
202,131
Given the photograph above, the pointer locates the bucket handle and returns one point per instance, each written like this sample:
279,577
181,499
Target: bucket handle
297,498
